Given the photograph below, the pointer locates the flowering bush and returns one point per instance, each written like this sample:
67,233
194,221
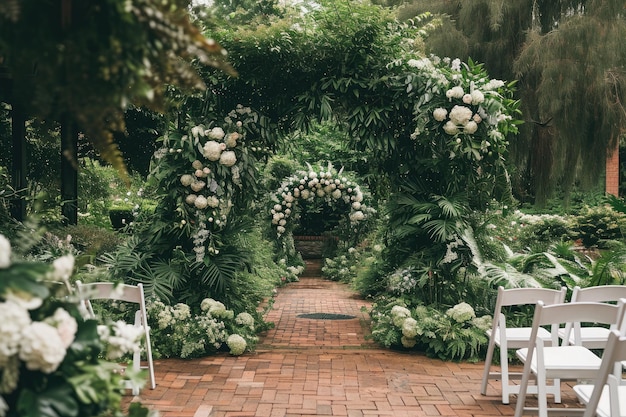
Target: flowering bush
177,332
456,334
51,358
342,267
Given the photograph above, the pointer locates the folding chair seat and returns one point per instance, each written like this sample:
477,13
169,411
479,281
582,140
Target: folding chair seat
512,338
130,294
562,362
607,396
593,337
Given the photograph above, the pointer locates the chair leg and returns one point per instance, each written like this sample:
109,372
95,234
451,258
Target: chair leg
487,370
504,371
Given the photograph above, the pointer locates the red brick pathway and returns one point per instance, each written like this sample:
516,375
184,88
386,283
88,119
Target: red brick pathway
306,367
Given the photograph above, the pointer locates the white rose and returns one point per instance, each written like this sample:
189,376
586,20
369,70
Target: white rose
440,114
231,140
5,252
228,158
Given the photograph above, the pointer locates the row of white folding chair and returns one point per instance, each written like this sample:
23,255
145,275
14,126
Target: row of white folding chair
565,361
512,338
606,397
130,294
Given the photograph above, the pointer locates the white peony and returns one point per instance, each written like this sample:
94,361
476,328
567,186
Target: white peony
216,133
477,118
460,115
212,150
467,99
336,194
186,180
197,164
357,216
5,252
470,127
41,347
228,158
190,199
455,92
477,97
14,320
199,173
198,185
231,140
200,202
440,114
450,128
461,312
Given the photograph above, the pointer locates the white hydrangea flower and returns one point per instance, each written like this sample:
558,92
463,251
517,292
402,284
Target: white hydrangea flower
5,252
237,344
228,158
409,328
461,312
280,230
65,324
181,311
213,201
305,194
14,319
336,194
216,133
460,115
124,338
212,150
24,299
245,319
63,267
408,343
41,347
186,180
440,114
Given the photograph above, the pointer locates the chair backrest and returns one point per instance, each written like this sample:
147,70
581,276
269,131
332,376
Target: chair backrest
583,312
598,294
524,296
615,351
110,291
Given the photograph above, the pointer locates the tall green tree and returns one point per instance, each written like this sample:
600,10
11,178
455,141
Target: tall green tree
568,56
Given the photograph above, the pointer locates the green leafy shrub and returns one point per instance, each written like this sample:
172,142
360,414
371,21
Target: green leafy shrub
454,334
593,225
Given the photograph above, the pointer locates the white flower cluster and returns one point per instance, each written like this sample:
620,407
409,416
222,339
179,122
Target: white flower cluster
214,330
120,338
402,281
216,309
245,319
461,313
399,314
451,254
310,185
237,344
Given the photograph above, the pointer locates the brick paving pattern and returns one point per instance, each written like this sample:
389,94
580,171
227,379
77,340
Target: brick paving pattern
306,367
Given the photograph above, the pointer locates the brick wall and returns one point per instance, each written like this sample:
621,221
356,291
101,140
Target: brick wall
612,173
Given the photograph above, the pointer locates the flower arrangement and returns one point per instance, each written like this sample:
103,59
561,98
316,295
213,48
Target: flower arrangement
326,185
52,358
178,332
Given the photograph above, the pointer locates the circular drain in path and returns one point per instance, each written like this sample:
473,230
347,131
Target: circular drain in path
325,316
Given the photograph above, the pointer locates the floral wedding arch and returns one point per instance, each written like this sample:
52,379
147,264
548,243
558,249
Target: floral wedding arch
325,184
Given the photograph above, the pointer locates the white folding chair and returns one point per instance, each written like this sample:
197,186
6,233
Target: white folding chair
129,294
593,337
507,338
607,397
566,361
